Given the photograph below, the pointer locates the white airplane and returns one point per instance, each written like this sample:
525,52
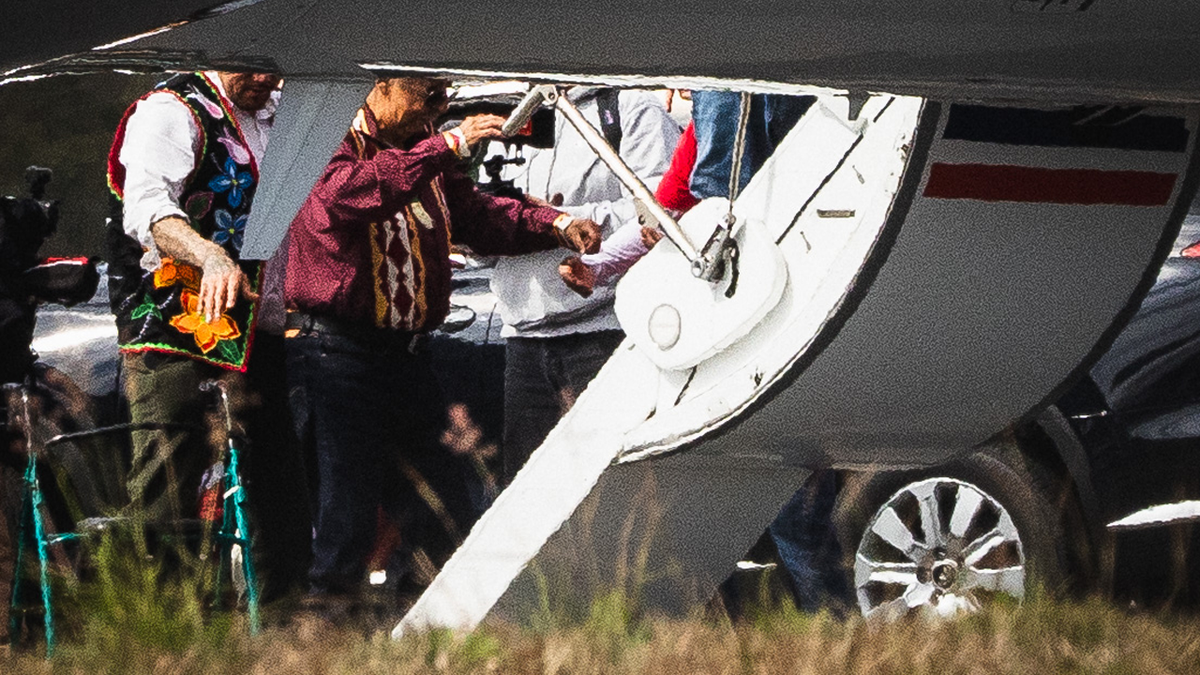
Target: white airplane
961,225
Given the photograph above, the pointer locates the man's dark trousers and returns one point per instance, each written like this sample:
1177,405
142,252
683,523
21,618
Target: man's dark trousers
373,413
542,379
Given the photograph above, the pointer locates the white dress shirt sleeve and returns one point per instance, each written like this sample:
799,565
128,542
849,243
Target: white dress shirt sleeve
162,142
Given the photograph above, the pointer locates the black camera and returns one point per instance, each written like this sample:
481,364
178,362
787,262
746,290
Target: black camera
25,224
25,280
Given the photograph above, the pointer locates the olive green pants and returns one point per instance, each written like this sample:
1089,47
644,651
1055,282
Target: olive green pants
167,465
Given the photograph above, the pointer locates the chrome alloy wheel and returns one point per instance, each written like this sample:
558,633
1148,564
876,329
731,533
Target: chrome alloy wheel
937,547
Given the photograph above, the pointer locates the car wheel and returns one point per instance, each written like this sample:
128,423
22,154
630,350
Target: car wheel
950,539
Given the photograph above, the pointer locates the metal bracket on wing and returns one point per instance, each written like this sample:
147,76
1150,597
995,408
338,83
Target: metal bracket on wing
720,251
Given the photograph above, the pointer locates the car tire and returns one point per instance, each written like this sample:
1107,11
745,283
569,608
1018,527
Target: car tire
999,534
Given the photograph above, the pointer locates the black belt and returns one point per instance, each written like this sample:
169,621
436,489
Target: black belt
373,336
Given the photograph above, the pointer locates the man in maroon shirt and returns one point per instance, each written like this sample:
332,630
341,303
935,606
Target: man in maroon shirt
368,278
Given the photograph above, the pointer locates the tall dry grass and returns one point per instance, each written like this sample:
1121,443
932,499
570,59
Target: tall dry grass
132,616
154,627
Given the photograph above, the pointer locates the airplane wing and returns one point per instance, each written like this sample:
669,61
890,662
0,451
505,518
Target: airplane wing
1078,50
36,32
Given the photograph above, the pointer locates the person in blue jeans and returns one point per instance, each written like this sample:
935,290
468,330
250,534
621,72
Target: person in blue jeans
715,115
803,535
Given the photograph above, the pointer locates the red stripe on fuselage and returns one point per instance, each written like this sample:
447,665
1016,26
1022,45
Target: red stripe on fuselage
991,183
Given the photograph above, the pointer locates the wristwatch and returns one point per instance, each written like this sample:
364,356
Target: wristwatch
561,223
457,142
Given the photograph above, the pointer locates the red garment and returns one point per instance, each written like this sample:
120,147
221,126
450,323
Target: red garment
371,244
673,192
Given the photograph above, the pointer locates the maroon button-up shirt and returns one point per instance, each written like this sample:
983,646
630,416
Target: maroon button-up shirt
371,244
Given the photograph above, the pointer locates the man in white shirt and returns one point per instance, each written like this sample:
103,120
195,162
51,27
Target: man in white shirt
556,340
183,170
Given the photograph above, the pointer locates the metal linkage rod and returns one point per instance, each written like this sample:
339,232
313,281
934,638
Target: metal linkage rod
627,177
739,149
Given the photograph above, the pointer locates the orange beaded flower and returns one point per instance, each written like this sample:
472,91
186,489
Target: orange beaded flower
207,334
171,273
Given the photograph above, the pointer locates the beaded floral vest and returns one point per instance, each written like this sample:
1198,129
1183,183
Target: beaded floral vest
157,310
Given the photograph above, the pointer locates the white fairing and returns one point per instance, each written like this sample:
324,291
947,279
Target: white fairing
689,319
948,268
636,402
824,197
307,131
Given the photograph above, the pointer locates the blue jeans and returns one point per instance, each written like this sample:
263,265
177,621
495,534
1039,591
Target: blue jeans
715,115
372,413
808,547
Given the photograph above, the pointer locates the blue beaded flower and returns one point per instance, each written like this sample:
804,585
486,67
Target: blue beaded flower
229,229
233,181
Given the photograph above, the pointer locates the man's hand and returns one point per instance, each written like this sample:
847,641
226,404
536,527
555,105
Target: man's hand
577,275
581,235
220,285
651,236
481,127
221,280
